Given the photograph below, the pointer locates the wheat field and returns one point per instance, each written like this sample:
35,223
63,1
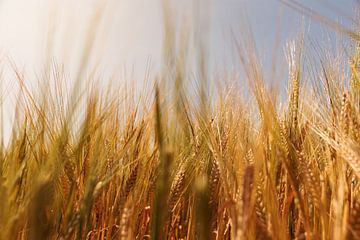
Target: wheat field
164,163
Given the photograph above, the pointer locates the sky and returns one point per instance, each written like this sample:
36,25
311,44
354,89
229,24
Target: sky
131,30
129,36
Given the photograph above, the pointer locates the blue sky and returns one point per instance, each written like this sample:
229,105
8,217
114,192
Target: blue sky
273,22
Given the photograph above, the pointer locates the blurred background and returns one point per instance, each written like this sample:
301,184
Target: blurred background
124,38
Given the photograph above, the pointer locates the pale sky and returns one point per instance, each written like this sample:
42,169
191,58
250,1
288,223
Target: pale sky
132,29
